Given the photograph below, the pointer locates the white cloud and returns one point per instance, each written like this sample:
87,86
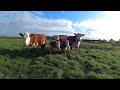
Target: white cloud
105,27
14,22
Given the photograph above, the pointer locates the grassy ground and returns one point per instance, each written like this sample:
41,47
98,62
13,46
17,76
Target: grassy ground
93,61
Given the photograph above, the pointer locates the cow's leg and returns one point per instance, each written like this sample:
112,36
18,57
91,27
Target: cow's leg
32,51
35,51
26,49
77,49
50,50
71,47
43,46
53,50
43,49
58,49
68,48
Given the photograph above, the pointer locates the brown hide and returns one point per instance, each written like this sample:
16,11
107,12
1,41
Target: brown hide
70,38
37,39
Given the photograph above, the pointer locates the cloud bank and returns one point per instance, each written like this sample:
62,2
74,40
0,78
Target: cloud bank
105,27
14,22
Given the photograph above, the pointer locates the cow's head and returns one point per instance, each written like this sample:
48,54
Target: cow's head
26,38
56,37
78,35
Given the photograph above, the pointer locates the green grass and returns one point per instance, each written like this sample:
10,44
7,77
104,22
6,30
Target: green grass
92,61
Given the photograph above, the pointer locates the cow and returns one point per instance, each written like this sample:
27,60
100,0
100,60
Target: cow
55,45
72,41
64,43
75,40
34,40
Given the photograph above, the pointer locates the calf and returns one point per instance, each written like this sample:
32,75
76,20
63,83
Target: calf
65,45
55,45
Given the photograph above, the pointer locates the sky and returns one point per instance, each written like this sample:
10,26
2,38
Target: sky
94,24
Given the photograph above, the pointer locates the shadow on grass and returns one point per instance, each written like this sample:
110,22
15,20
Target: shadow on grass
27,53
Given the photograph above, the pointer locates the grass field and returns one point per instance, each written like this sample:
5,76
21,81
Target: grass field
93,61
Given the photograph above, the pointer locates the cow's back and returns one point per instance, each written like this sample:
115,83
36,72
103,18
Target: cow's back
38,38
62,39
71,39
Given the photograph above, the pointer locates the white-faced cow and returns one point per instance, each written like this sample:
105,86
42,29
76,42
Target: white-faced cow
55,45
75,40
34,40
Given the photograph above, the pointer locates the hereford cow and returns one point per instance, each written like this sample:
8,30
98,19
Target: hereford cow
55,45
34,40
64,43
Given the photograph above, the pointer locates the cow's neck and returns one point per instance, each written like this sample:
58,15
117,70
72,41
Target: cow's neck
77,41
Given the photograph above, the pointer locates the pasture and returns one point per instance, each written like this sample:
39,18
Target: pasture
92,61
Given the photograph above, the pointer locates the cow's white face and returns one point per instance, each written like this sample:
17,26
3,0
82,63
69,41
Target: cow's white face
26,38
78,35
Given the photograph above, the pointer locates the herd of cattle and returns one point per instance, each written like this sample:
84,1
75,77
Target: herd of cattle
60,42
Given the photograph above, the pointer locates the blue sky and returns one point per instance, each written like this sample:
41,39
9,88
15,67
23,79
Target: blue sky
74,16
94,24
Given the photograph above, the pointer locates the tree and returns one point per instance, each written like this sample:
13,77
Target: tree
48,37
119,40
102,41
112,41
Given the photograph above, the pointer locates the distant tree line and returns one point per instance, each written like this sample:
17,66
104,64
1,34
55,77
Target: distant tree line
96,41
50,37
111,41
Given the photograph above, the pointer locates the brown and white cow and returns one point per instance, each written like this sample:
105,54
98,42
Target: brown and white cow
34,40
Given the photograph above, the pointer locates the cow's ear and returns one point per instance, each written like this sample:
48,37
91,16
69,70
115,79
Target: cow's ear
75,34
83,34
31,35
21,34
